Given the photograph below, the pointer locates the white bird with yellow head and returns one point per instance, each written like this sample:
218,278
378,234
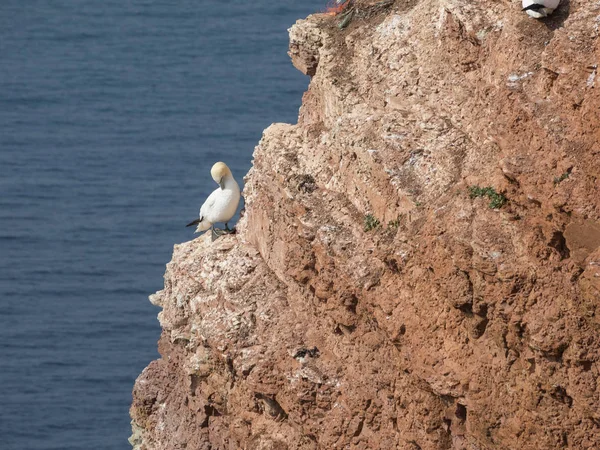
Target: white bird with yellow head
221,204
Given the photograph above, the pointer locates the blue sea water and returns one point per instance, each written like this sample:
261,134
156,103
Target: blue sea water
111,114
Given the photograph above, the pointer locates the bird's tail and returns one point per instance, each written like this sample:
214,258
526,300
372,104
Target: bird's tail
203,225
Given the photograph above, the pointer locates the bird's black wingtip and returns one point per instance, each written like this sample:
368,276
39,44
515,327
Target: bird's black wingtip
533,7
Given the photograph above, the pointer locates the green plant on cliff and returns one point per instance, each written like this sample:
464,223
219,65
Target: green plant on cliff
496,200
394,223
371,222
563,177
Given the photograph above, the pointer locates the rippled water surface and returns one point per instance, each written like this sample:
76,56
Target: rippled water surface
111,113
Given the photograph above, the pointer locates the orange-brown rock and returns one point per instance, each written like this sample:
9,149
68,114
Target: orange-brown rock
373,298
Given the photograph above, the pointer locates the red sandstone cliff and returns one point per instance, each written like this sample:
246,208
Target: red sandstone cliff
370,299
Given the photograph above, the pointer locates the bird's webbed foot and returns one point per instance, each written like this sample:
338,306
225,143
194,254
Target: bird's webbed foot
218,232
215,233
229,230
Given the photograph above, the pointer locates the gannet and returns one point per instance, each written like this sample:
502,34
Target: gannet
221,204
539,9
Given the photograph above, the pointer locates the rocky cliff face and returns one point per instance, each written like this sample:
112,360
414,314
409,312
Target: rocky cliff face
418,266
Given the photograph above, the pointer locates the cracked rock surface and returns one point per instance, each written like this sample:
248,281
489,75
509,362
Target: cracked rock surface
444,323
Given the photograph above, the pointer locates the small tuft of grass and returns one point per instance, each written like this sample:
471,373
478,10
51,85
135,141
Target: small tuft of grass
371,222
394,223
563,177
496,200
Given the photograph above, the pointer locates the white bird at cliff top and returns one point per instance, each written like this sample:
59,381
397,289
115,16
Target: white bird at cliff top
221,204
539,9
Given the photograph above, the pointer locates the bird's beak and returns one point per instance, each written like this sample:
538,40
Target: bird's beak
222,183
